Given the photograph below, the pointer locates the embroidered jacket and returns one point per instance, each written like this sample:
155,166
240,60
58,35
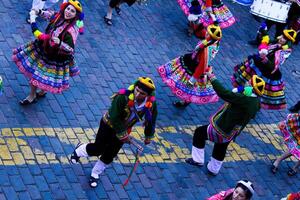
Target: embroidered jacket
235,114
121,117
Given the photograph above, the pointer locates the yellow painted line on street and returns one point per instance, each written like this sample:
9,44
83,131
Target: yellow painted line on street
15,150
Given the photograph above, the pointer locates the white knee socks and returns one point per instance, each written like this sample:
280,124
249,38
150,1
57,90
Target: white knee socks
214,166
98,169
81,151
198,155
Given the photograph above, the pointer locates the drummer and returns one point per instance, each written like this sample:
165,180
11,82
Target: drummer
279,25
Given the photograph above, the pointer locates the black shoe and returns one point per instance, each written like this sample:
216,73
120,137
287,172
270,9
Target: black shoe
274,169
297,74
107,21
25,101
28,19
192,162
93,182
74,157
180,104
292,172
118,10
41,95
294,108
253,42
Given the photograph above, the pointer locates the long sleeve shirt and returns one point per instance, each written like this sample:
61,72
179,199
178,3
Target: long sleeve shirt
121,117
237,111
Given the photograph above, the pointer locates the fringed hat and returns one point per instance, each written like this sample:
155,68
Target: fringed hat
258,85
290,34
144,83
214,31
76,4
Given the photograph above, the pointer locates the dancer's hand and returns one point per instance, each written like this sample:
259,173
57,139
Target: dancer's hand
56,40
210,75
192,81
281,125
213,17
126,140
33,15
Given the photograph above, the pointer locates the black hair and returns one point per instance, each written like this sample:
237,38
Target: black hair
195,3
248,193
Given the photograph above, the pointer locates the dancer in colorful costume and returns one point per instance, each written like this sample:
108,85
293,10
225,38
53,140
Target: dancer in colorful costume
127,107
42,5
241,105
49,61
242,191
266,64
290,129
203,13
185,74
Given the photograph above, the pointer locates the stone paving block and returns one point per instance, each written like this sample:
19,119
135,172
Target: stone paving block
145,181
46,195
4,179
34,192
71,177
64,183
70,194
23,195
56,191
41,183
49,176
17,183
133,194
113,195
106,183
57,169
62,119
82,120
56,145
26,176
10,193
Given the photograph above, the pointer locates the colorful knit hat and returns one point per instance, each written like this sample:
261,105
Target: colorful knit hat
214,31
146,84
290,34
258,85
77,5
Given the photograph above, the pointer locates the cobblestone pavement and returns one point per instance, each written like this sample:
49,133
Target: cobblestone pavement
36,140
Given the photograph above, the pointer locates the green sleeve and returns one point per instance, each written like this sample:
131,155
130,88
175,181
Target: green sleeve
68,40
150,127
270,64
227,95
116,113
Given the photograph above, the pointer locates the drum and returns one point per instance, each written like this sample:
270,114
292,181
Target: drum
272,10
